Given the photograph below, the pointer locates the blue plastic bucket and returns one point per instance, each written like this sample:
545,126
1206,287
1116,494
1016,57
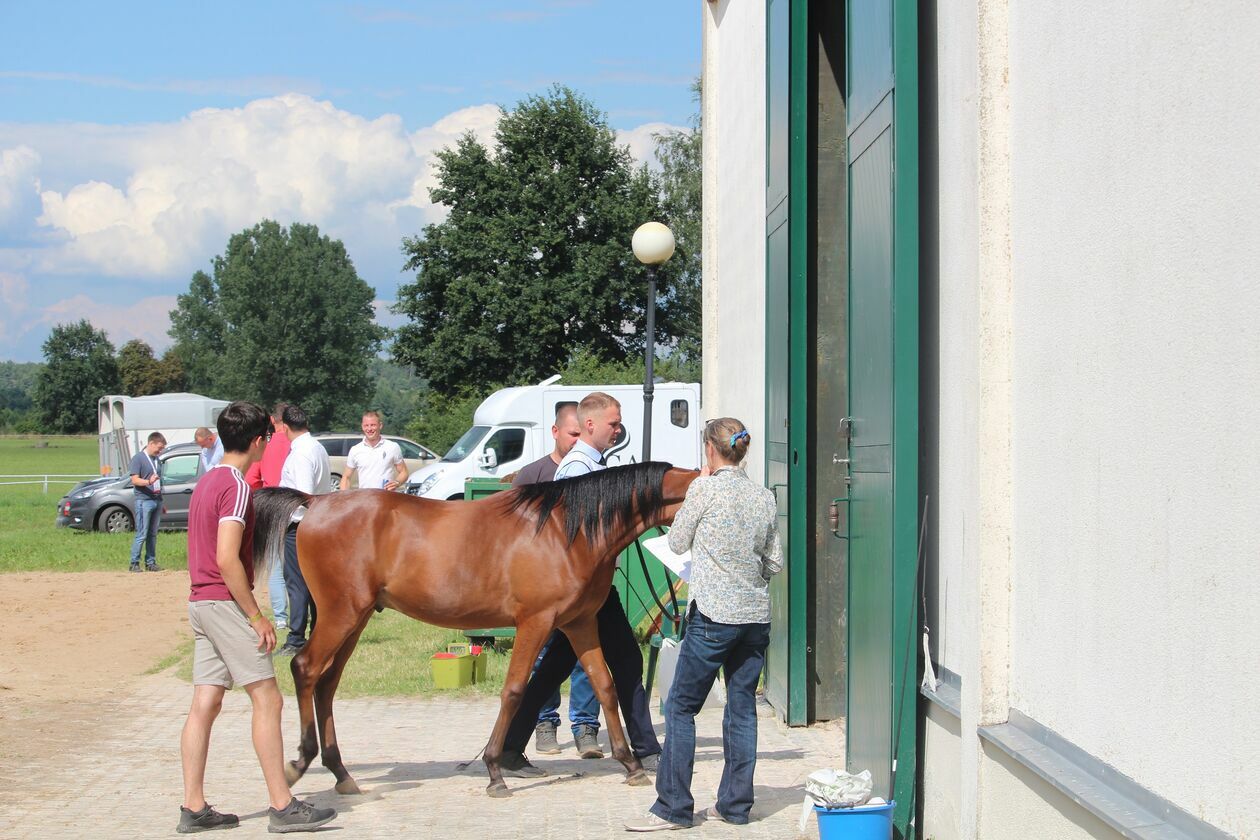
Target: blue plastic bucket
867,822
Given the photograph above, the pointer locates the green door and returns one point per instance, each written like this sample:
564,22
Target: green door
881,54
786,367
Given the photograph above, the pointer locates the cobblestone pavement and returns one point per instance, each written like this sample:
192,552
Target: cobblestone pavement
403,753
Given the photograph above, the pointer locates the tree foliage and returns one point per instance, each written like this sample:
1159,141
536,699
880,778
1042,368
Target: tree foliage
533,262
142,374
17,396
284,316
79,369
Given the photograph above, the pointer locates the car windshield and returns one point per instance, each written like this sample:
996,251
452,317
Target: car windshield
467,443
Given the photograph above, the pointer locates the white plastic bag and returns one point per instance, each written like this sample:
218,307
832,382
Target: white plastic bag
667,663
833,789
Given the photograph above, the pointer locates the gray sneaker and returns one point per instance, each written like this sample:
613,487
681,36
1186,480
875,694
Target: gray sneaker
545,742
651,762
207,819
298,816
517,766
586,742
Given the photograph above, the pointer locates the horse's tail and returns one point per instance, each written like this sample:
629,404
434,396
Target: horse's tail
273,511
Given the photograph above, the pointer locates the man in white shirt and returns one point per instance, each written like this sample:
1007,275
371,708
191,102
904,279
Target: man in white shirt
377,461
211,447
306,469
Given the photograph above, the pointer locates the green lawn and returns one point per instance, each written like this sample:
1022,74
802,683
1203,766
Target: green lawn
29,538
392,657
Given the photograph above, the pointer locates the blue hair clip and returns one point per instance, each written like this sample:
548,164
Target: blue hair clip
737,436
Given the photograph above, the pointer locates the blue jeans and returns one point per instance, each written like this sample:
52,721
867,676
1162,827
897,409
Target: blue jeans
279,597
148,517
583,704
740,649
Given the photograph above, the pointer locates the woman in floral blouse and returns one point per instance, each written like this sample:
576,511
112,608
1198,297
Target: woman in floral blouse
729,525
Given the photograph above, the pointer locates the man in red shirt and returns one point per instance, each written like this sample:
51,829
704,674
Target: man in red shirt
233,639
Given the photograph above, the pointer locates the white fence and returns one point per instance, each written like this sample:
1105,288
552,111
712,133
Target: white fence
45,480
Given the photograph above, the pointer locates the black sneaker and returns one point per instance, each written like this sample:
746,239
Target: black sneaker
153,568
207,819
298,816
651,762
516,765
135,567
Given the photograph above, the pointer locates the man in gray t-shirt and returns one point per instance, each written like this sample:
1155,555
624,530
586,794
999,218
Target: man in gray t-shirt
146,480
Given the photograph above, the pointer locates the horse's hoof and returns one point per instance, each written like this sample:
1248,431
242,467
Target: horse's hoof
498,790
638,778
348,787
292,772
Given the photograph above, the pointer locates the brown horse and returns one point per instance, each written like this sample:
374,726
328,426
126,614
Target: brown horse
540,557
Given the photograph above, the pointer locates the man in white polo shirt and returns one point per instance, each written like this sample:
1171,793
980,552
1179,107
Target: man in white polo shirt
377,461
305,469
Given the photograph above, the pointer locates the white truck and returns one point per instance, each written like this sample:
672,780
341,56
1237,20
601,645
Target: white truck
124,423
512,428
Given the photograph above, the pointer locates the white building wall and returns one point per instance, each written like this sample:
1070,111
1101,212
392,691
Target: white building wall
1136,366
735,218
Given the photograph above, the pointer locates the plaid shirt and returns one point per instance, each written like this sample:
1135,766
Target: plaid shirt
730,526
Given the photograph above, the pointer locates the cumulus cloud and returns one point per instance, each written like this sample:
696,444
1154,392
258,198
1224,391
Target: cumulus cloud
19,185
642,142
217,171
147,319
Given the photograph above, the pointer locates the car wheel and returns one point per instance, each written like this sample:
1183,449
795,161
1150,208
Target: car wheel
456,498
115,520
335,478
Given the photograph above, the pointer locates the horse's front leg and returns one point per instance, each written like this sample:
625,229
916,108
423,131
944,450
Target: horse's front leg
530,637
584,636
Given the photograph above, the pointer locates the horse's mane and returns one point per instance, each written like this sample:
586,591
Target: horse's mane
598,502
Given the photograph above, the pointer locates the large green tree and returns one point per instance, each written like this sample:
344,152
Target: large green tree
284,316
79,369
533,262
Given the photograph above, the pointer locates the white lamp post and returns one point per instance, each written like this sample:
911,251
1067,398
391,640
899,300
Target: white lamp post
653,245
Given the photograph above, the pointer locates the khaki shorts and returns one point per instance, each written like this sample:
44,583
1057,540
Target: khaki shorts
225,649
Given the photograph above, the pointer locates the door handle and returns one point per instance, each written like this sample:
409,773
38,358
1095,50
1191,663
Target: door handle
186,492
833,516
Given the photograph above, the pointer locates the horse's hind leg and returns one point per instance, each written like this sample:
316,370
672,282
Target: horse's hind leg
325,689
308,667
584,637
529,640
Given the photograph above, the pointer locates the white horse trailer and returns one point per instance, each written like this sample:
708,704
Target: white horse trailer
125,423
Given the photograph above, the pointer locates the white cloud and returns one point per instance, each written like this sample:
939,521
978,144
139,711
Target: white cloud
642,143
191,184
147,319
19,184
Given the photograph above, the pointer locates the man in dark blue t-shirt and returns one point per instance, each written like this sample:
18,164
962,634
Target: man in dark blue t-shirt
146,480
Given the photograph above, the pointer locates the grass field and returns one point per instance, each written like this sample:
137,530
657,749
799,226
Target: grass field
29,538
392,657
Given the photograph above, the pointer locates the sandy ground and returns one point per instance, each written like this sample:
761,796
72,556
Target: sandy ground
72,645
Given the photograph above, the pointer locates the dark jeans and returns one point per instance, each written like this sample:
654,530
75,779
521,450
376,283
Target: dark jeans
300,603
625,662
741,650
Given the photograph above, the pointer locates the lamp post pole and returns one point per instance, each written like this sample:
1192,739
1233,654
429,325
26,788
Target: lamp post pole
653,244
649,354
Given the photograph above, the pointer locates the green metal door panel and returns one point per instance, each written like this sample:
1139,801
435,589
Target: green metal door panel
869,729
870,55
871,280
778,655
882,56
777,368
777,94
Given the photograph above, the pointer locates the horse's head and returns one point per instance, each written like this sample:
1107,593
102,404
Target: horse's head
674,490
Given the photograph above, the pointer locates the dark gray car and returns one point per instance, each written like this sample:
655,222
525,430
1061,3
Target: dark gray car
109,504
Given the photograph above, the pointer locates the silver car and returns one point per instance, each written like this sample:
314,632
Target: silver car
109,503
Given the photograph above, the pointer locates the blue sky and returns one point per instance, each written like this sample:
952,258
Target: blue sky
136,137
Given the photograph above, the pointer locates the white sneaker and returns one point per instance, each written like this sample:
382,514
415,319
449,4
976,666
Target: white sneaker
282,625
653,823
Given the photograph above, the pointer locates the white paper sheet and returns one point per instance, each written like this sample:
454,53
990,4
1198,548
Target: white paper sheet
679,564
